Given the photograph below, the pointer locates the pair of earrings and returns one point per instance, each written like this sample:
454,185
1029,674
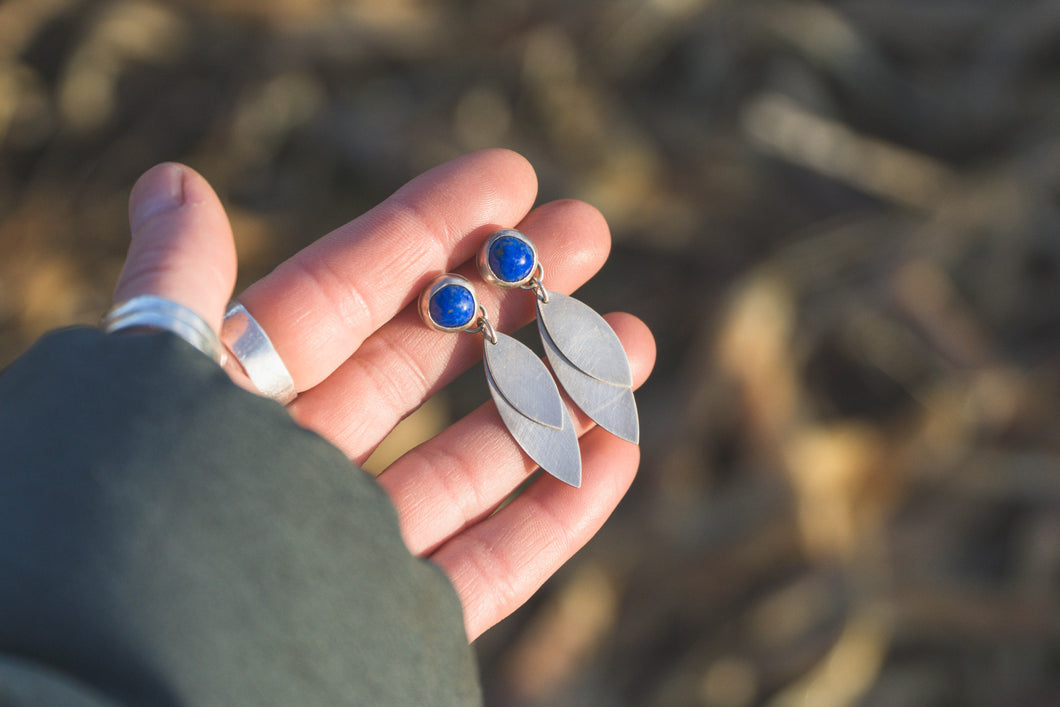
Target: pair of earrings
585,353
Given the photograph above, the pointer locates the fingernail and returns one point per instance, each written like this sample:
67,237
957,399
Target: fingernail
159,190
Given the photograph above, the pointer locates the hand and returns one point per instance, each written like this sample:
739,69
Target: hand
339,315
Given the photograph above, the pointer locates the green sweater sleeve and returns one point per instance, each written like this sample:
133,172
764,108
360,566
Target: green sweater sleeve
167,538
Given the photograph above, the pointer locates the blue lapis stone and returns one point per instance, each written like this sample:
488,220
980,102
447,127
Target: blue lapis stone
510,259
452,306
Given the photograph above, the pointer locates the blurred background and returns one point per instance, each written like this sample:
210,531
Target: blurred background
841,219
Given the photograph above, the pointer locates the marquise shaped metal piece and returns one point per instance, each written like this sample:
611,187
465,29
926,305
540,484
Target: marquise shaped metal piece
524,381
585,339
613,407
554,450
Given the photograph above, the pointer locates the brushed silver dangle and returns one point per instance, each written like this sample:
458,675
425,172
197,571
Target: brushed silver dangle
586,354
526,397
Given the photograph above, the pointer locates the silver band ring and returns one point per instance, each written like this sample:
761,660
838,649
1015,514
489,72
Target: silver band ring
251,346
153,312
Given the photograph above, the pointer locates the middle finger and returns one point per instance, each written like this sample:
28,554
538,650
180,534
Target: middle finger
405,362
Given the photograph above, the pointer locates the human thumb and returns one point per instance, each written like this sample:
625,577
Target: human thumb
182,247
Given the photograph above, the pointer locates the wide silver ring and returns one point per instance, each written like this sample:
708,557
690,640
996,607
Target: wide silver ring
153,312
253,349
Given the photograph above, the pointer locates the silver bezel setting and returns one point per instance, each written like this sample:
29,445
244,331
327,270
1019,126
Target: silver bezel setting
433,287
483,259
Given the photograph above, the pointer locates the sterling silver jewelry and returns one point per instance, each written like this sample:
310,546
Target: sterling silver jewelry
153,312
586,354
522,388
254,352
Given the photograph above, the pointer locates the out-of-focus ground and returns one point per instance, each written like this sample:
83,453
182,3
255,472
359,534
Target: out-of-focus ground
842,221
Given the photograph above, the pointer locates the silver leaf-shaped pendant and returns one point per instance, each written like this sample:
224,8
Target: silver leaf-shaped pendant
585,339
524,381
528,401
613,407
590,363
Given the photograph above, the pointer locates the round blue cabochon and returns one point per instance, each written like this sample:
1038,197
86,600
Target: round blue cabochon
452,306
511,259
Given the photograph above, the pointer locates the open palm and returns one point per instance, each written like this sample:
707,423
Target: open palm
341,314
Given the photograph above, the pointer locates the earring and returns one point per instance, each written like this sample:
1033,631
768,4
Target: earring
519,383
586,354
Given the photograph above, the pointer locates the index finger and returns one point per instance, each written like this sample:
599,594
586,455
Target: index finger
318,306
